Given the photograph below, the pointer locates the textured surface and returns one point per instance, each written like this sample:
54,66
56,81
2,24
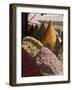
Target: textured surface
31,45
48,63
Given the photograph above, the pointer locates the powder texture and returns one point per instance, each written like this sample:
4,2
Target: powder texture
48,63
31,45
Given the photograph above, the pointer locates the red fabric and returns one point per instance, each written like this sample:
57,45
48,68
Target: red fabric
29,67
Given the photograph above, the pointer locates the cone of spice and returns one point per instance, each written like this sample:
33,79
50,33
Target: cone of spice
42,30
49,37
30,30
35,32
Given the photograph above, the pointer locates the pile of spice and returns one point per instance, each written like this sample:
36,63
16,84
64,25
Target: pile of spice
48,63
31,45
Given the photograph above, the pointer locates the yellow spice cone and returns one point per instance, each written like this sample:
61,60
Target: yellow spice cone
49,38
